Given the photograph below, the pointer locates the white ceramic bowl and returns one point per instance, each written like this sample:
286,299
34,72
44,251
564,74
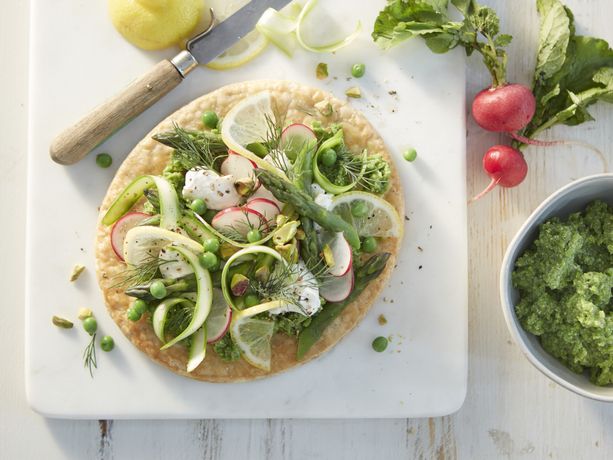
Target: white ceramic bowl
571,198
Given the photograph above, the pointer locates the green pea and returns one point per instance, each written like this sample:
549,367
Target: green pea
104,160
209,260
359,208
140,306
379,344
198,206
369,244
133,314
211,245
328,157
107,343
158,289
90,325
358,70
410,154
210,119
251,300
254,235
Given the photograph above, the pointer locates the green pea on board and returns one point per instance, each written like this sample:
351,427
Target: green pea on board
379,344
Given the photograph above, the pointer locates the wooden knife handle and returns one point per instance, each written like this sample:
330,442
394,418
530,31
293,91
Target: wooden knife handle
78,140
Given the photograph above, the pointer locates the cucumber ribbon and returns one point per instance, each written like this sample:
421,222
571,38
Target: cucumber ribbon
169,201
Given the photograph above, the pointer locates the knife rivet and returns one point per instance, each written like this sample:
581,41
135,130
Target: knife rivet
149,87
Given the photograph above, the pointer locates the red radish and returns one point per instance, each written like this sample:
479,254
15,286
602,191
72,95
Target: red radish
238,166
338,288
505,165
263,192
295,137
507,108
342,254
218,321
238,219
121,228
265,207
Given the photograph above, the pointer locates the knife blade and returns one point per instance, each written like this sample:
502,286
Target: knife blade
74,143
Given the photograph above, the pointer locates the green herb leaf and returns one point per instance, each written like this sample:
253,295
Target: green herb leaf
572,72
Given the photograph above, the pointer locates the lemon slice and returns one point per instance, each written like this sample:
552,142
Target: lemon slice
381,219
248,122
241,53
253,335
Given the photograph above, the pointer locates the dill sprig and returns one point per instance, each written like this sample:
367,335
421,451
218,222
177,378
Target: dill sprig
140,274
89,356
179,318
276,154
193,149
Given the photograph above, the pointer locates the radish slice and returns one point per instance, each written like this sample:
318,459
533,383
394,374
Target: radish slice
342,254
295,137
218,321
120,229
338,288
238,220
265,207
238,167
263,192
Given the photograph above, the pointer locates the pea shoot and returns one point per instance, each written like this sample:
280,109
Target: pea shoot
107,343
198,206
358,70
158,289
104,160
210,119
379,344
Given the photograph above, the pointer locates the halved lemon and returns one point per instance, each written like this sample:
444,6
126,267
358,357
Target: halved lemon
253,335
381,219
249,122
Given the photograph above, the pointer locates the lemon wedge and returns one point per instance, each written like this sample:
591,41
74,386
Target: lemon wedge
155,24
246,123
381,219
253,335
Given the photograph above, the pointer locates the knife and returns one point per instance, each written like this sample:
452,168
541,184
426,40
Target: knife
77,141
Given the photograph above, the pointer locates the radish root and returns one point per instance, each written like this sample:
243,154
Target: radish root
492,185
526,140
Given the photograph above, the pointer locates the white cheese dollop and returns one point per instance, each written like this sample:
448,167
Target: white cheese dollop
218,192
173,265
306,290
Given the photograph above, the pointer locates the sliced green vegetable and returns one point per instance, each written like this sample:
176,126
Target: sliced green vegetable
197,349
161,313
169,201
279,29
204,297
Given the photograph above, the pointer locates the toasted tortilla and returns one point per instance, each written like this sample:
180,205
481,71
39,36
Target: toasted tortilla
150,157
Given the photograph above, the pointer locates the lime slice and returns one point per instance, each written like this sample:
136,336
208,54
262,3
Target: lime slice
246,123
253,335
381,219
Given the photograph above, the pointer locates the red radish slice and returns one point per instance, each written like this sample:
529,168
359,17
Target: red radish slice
238,219
265,207
220,316
238,167
342,254
263,192
295,137
121,228
338,288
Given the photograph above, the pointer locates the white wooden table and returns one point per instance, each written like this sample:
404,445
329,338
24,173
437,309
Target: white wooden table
511,410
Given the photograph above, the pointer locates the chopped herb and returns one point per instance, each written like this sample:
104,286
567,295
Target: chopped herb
226,349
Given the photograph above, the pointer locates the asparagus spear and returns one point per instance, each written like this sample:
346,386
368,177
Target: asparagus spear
303,177
180,139
287,192
363,275
141,291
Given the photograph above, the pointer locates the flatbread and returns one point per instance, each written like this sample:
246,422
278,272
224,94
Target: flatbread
150,157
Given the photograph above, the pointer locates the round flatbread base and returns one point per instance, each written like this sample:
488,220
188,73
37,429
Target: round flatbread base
150,157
